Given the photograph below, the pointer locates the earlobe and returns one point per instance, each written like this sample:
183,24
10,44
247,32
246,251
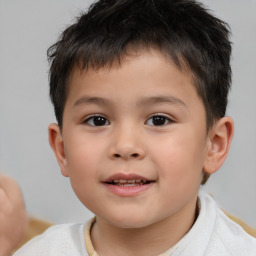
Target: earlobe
57,145
220,138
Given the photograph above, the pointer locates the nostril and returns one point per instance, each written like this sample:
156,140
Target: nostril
135,155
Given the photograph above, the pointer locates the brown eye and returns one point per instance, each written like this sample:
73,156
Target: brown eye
158,120
96,121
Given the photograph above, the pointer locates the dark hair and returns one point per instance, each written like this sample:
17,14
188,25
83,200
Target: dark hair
182,30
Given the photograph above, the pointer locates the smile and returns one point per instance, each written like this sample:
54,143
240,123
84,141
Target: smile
128,183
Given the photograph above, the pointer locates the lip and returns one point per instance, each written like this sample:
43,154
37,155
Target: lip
121,176
131,190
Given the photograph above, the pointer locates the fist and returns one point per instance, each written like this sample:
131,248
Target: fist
13,218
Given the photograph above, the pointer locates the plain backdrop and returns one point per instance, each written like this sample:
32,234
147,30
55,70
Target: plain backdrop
27,29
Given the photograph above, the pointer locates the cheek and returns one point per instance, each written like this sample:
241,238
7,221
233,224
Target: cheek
83,152
179,159
83,158
83,173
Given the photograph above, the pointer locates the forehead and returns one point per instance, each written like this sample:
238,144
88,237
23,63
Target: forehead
143,72
131,55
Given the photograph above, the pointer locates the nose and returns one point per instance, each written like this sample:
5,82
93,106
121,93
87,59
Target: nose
127,144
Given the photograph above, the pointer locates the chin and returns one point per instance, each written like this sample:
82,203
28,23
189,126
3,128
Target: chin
129,222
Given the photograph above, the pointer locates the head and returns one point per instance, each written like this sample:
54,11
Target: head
181,30
140,88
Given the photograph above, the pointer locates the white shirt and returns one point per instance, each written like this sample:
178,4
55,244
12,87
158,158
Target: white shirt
213,234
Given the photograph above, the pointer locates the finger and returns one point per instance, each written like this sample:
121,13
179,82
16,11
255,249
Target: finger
11,189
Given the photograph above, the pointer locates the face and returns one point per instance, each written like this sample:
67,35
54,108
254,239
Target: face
134,141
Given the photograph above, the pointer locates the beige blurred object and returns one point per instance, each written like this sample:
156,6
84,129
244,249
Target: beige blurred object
250,230
13,218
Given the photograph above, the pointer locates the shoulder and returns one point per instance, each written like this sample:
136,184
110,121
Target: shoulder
250,230
58,240
228,237
232,237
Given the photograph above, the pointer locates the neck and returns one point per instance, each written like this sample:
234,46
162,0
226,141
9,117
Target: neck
152,240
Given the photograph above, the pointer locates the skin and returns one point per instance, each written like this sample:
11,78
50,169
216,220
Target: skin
13,218
130,143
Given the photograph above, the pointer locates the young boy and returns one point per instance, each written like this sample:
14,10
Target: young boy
140,93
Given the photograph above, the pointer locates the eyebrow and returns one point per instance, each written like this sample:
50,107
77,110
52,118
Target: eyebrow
160,99
143,101
92,100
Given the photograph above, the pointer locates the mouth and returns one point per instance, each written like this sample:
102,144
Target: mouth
128,182
127,185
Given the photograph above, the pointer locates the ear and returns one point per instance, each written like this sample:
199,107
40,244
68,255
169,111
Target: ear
57,145
220,137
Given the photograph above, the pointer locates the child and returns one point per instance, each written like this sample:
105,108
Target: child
140,93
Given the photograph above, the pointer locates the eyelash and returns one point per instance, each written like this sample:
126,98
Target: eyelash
102,121
92,118
159,117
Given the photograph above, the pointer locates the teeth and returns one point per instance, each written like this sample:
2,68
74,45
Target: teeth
130,185
128,181
135,182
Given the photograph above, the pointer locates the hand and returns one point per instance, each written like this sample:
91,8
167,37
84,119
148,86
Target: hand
13,218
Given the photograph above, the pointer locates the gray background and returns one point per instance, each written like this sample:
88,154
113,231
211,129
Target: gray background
27,29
